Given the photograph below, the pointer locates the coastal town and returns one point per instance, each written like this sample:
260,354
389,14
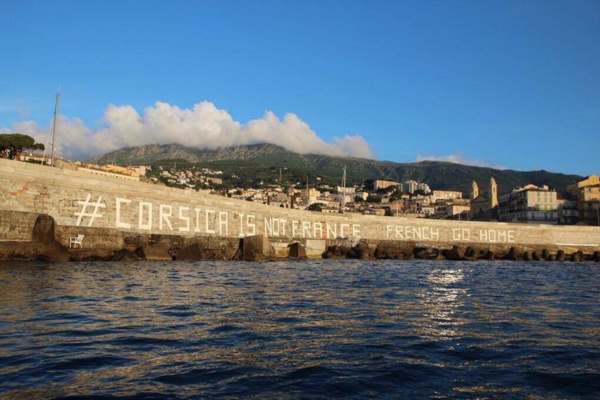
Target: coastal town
300,199
409,199
524,204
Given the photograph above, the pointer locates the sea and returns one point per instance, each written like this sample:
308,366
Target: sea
300,329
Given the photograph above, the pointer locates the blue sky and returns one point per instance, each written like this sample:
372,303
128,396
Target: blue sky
507,84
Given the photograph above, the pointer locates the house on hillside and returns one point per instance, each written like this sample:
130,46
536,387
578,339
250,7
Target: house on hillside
383,184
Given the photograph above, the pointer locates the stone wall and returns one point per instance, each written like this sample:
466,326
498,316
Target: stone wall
99,206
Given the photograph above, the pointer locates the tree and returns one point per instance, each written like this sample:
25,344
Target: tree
316,207
396,195
13,144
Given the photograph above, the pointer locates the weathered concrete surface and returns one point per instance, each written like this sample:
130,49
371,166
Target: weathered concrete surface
257,248
46,206
155,252
39,240
33,237
21,251
314,247
79,200
125,255
192,252
296,250
399,251
17,226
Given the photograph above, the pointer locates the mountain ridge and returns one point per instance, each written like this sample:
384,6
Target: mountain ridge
439,175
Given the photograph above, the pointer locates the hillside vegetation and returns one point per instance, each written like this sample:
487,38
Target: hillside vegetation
265,161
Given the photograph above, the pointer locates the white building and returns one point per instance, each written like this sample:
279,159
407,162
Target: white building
310,196
529,204
444,195
410,186
383,184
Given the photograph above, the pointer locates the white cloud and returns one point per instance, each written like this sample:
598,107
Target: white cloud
355,144
202,126
457,158
70,142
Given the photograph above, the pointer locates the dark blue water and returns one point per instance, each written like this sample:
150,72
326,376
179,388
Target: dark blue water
311,329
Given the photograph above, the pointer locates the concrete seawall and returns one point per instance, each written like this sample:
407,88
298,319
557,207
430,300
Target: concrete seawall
116,214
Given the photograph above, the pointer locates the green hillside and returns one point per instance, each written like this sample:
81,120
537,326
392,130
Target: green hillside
243,165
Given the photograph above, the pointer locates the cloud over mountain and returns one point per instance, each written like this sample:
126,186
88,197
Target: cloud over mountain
457,158
203,126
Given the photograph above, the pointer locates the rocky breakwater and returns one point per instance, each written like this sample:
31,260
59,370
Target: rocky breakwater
31,236
28,236
409,250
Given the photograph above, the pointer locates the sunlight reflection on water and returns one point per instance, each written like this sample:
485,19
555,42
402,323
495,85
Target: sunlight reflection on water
314,329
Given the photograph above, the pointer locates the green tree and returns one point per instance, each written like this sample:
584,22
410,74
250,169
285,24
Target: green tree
316,207
13,144
396,195
373,199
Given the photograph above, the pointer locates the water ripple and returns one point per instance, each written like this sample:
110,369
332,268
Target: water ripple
302,330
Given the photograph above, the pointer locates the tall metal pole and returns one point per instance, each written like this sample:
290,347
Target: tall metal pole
54,127
343,199
307,193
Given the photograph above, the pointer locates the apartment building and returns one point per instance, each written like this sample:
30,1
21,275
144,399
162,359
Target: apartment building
591,180
587,192
568,214
409,186
588,204
383,184
529,204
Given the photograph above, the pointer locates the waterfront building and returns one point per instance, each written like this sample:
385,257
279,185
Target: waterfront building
529,204
414,205
452,208
591,180
588,202
587,192
458,209
374,211
428,209
568,213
